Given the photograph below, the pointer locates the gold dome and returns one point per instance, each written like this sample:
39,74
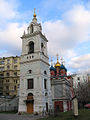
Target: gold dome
57,64
34,15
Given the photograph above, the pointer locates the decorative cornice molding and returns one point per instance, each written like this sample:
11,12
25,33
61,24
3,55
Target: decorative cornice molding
35,52
33,34
35,61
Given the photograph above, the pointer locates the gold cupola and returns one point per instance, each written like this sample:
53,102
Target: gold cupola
34,17
57,64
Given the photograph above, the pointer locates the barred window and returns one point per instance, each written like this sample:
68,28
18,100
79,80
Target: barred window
30,84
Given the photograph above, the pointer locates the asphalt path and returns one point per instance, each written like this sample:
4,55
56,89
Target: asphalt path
18,117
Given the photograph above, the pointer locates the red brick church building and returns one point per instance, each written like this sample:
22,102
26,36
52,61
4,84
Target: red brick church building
61,87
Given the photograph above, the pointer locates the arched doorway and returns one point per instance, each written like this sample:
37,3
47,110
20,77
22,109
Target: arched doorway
30,103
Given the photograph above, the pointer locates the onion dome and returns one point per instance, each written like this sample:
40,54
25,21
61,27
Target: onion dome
66,69
52,68
63,67
57,64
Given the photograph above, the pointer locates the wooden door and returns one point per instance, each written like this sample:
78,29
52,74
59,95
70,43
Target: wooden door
30,108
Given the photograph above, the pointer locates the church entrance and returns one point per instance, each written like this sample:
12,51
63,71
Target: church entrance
30,103
29,107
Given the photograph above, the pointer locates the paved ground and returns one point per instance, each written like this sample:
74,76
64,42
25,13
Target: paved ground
18,117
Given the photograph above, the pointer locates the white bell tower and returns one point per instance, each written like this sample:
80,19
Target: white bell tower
35,87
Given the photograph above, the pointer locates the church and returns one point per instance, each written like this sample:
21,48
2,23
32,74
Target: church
38,81
61,87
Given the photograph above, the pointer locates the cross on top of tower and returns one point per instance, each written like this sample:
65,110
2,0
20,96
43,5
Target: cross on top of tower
34,15
34,10
57,56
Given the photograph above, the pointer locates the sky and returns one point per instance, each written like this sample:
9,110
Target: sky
65,23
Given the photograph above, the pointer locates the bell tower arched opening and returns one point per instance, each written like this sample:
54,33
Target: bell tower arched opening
31,47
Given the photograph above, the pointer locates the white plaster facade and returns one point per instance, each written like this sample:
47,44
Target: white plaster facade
79,78
61,93
37,62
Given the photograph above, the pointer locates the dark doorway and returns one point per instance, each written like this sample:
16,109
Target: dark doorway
47,107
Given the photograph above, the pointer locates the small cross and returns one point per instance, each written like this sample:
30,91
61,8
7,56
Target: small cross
62,60
57,56
34,10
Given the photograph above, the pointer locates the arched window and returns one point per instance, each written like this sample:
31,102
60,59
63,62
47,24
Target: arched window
31,47
31,28
30,94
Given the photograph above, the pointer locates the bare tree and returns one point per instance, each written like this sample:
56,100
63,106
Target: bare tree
83,92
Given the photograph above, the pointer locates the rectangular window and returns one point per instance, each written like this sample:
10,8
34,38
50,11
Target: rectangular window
18,85
7,87
15,67
45,84
1,62
8,67
8,61
2,74
7,93
1,68
15,74
15,87
30,83
7,74
16,81
7,80
15,60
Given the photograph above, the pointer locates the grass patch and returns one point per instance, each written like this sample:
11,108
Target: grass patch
84,114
